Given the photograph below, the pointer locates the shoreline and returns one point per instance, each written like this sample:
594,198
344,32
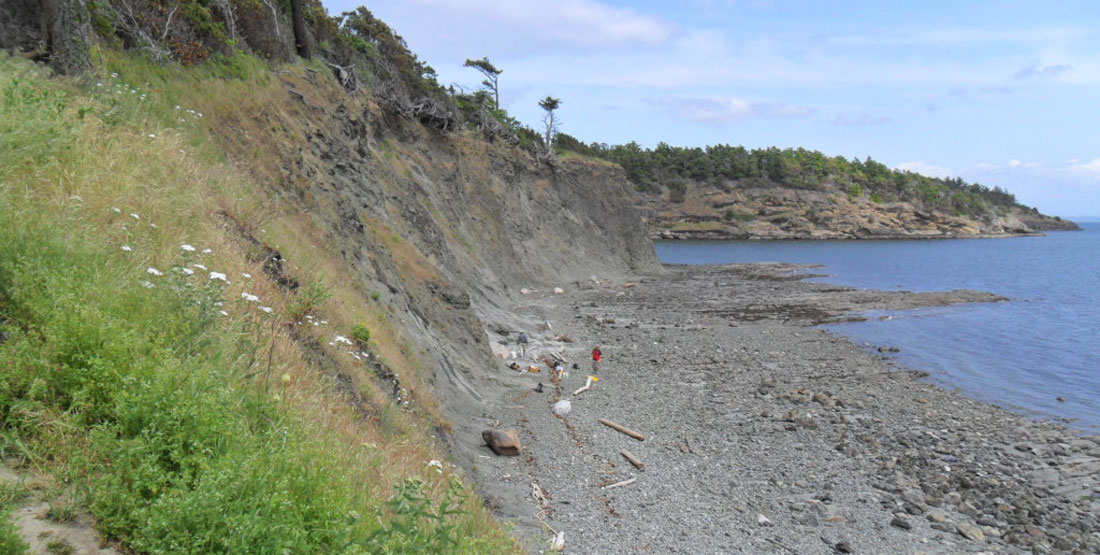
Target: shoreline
667,235
767,434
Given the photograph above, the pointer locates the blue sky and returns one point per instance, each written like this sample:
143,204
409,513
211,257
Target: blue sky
1002,93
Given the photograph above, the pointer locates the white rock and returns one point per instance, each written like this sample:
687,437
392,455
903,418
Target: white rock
763,520
559,291
525,291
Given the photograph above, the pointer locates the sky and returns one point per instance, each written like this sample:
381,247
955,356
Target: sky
1001,93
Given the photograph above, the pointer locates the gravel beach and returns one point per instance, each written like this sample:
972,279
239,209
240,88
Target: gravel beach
765,434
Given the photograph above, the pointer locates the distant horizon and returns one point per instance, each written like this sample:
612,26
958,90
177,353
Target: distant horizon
997,93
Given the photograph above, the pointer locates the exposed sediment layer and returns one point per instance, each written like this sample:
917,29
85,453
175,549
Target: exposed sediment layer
765,434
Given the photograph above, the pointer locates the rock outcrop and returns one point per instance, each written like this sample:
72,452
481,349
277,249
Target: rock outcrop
782,213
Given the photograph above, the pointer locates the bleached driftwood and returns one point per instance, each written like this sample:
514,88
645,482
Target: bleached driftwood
558,543
622,429
622,483
587,385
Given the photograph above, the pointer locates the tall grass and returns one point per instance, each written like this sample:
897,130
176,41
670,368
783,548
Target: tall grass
178,411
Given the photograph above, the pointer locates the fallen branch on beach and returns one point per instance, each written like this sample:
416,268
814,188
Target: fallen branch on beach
634,461
622,483
622,429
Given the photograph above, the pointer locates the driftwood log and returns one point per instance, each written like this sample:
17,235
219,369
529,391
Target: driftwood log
622,483
622,429
587,385
633,460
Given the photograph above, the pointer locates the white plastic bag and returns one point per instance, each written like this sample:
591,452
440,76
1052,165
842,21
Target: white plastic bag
563,407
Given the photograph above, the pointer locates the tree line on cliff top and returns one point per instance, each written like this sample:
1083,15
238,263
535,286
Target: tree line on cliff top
725,166
367,55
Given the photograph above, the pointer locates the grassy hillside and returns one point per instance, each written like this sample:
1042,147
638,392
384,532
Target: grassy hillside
160,371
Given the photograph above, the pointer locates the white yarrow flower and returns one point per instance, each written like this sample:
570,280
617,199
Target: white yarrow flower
218,275
147,285
248,276
266,309
135,216
223,313
200,266
250,297
187,271
438,466
342,339
152,135
207,251
187,248
127,248
154,272
116,210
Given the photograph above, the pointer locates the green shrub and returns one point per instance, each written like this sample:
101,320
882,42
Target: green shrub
417,522
855,191
731,216
361,333
308,299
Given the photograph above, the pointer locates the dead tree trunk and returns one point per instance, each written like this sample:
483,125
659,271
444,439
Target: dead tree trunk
301,41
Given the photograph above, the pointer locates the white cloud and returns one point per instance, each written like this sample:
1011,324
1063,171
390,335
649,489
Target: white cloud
504,27
957,36
924,168
1035,70
1086,170
720,110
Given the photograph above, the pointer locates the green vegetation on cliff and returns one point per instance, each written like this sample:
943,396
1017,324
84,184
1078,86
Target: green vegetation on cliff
726,167
137,377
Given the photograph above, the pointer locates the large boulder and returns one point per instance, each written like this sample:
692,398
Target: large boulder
503,442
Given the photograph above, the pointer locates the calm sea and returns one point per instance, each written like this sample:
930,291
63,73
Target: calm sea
1023,354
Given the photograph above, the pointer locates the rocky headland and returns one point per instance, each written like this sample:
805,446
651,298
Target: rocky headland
787,213
764,433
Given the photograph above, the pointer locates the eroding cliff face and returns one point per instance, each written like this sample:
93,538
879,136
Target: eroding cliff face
446,227
780,213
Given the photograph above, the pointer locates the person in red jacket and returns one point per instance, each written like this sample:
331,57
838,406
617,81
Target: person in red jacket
597,358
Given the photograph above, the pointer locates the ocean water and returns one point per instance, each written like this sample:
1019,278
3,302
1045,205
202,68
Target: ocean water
1023,354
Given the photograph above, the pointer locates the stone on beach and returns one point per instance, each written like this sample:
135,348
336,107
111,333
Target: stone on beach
503,442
